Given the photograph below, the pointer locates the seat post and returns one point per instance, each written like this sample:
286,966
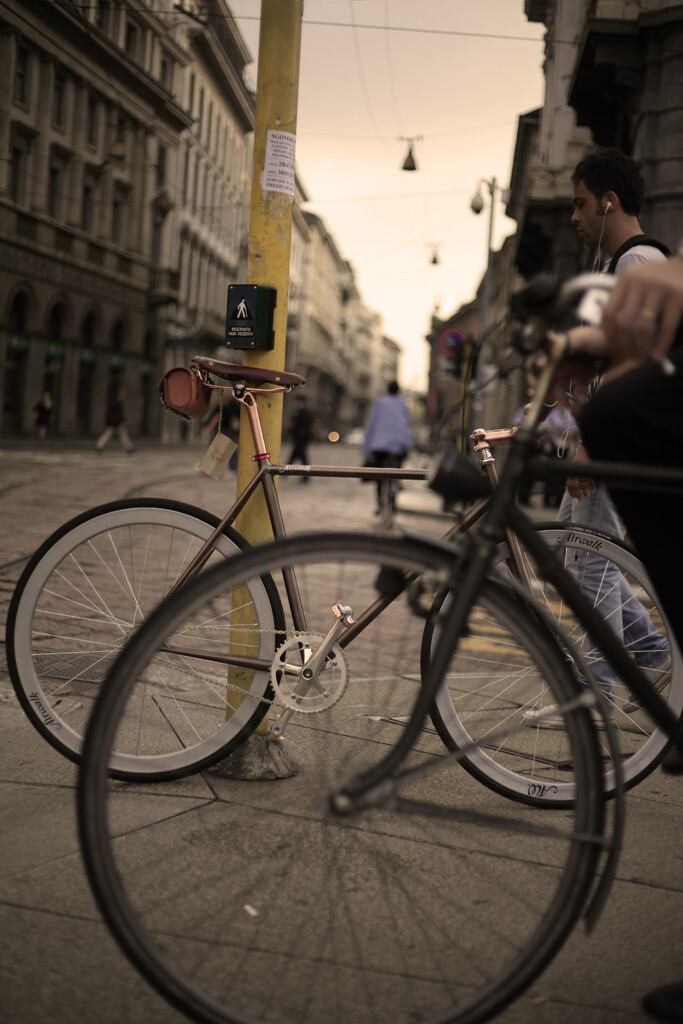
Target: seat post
246,399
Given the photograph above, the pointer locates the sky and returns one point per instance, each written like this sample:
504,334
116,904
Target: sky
451,74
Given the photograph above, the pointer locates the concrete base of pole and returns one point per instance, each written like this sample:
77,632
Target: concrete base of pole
259,759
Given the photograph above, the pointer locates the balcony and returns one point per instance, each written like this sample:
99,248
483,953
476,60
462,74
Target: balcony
164,286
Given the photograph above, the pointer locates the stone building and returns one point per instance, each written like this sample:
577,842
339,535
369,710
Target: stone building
613,77
124,186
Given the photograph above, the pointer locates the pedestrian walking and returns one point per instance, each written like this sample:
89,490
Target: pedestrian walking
300,427
43,410
116,424
388,437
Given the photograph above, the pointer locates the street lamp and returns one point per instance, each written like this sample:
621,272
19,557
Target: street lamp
409,163
476,206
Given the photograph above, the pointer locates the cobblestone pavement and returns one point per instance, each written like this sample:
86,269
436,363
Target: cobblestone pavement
57,961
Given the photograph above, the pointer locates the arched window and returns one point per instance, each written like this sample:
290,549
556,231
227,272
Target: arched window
88,331
117,333
55,324
17,313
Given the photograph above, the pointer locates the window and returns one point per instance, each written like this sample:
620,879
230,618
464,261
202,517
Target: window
17,175
116,214
165,72
91,121
21,76
161,167
131,38
117,333
55,322
87,208
157,227
190,99
195,184
218,136
54,188
186,172
200,117
58,98
88,331
18,313
209,126
102,15
121,128
118,219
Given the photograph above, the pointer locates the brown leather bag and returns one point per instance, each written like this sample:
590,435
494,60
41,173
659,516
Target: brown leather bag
185,394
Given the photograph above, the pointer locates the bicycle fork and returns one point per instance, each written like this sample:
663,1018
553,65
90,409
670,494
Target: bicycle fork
312,665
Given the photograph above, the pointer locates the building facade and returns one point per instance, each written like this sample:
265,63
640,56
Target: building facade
89,128
125,131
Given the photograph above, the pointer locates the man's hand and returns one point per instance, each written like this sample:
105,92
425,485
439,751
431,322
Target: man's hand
580,486
644,310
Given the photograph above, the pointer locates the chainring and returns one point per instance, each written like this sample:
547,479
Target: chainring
285,674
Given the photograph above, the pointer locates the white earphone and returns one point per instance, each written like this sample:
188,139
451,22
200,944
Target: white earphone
609,204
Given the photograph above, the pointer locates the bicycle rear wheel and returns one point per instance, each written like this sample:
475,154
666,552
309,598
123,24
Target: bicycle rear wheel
81,596
252,901
484,692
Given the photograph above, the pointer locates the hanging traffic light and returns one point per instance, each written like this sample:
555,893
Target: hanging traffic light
455,345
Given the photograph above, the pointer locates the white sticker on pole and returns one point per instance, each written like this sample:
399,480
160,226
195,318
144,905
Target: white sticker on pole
279,168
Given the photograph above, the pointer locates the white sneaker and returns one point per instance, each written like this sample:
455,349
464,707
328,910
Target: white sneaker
550,718
545,718
658,677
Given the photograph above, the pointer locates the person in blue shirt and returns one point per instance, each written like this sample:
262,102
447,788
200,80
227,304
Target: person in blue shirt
388,437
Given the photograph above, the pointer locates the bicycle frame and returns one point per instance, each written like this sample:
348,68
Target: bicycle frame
264,479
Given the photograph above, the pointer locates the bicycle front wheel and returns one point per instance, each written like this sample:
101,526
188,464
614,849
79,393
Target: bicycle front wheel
252,901
79,599
484,693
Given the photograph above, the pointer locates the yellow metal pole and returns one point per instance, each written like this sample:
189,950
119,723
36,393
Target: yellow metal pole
270,226
270,232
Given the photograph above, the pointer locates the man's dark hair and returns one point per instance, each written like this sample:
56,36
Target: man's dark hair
392,387
610,170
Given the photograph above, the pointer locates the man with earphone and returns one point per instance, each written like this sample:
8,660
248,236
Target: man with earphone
607,196
608,192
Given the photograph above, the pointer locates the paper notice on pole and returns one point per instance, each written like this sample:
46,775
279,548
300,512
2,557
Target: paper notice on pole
279,168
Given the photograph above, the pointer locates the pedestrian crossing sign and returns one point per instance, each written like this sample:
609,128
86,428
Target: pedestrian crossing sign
249,323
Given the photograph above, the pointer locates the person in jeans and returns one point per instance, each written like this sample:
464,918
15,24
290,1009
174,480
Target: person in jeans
636,417
608,191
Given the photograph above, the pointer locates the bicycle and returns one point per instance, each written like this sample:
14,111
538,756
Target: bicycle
90,583
86,575
372,885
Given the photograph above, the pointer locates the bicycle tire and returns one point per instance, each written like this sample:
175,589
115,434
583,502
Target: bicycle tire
97,576
252,901
531,765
